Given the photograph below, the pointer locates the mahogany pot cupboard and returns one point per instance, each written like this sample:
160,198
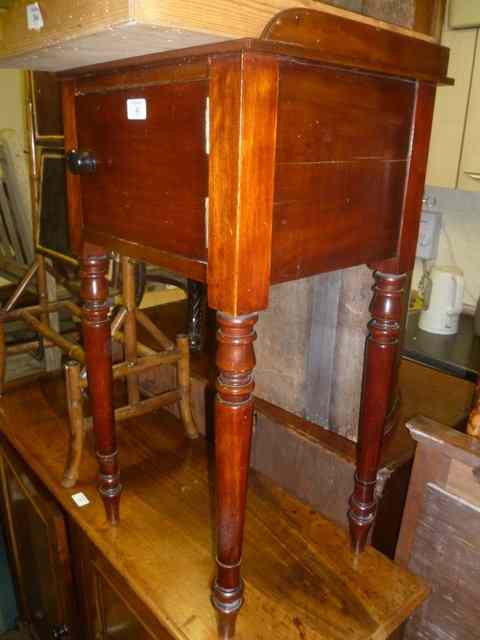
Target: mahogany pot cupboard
244,164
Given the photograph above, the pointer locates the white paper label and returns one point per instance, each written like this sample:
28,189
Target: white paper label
137,109
80,499
34,17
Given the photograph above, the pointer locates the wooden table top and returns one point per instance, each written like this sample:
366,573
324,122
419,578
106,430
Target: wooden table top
95,31
302,580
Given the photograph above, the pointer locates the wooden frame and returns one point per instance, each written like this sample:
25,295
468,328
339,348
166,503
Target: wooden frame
14,221
138,358
41,137
46,155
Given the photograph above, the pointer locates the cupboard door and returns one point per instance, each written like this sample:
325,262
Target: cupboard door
117,616
451,110
109,605
469,174
36,532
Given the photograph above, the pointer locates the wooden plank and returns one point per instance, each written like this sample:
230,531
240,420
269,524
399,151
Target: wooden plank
299,569
10,232
353,316
5,244
320,360
20,220
446,552
428,466
454,444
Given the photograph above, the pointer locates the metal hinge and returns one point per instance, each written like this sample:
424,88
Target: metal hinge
207,202
207,125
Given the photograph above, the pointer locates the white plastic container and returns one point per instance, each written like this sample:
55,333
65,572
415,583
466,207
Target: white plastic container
444,301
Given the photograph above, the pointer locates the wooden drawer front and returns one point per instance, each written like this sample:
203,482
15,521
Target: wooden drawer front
342,152
151,179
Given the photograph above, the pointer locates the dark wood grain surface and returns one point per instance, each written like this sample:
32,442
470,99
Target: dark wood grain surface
340,169
151,179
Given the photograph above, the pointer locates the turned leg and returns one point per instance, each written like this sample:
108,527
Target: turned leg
183,383
75,415
233,432
130,326
98,354
379,378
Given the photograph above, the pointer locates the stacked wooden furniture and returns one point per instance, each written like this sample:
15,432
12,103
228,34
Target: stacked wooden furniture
303,151
440,535
148,579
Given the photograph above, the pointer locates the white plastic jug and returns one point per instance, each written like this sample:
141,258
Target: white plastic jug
444,301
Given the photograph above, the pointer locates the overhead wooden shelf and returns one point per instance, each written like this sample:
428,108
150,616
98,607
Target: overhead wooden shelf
90,31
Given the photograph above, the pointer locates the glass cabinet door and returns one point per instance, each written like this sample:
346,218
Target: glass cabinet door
38,542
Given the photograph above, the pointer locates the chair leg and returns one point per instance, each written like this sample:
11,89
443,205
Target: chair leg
130,326
3,357
183,382
76,420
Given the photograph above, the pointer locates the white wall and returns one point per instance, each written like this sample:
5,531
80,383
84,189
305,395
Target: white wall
460,237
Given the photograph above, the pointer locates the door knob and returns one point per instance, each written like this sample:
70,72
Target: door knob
81,162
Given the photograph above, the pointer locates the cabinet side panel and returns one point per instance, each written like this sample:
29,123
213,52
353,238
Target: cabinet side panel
342,154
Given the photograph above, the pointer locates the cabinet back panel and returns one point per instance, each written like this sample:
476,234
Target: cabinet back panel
151,178
342,152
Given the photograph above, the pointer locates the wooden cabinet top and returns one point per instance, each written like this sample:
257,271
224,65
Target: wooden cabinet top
341,39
